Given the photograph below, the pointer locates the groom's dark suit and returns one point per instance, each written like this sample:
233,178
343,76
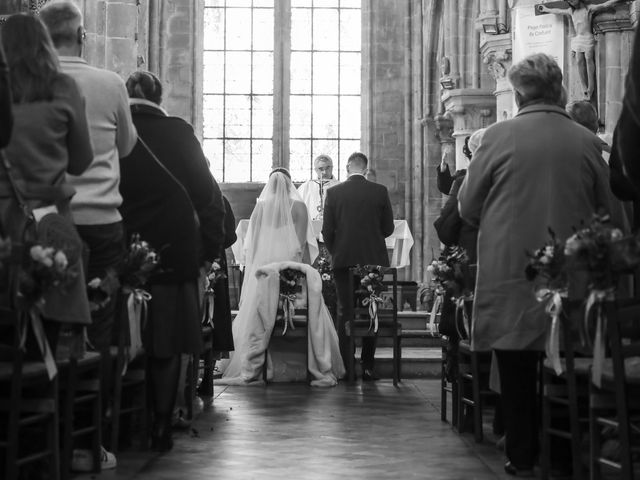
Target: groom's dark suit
357,219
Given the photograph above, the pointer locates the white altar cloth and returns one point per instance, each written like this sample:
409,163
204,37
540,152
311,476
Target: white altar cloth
399,243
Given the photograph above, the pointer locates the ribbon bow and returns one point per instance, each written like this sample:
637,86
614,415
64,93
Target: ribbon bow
596,297
41,340
465,317
137,314
372,301
208,307
554,310
437,307
289,311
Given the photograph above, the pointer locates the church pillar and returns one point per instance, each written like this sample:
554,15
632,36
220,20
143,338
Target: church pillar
614,30
496,55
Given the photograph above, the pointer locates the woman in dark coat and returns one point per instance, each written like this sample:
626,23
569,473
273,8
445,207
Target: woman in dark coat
173,202
222,332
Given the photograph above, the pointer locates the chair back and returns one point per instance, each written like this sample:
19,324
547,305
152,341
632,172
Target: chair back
287,322
386,308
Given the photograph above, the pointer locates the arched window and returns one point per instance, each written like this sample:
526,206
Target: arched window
281,85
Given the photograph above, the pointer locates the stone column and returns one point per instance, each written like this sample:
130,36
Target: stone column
496,55
614,30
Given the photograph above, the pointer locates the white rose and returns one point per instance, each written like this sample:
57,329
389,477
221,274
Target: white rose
60,260
616,234
37,253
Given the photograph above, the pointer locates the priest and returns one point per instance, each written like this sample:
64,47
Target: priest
312,191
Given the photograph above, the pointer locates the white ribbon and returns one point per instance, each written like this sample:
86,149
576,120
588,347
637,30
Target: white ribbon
43,343
372,301
208,307
465,317
289,311
437,306
137,314
554,310
596,297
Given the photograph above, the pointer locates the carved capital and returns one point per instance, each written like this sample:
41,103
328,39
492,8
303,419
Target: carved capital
617,18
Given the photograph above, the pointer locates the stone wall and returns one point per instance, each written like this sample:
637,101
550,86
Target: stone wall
384,92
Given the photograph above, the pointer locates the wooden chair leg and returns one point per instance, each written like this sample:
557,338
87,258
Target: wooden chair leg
477,398
594,438
545,453
455,399
460,404
399,361
443,388
352,360
54,436
67,419
396,361
115,409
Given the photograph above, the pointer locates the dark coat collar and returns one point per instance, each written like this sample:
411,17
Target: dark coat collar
543,107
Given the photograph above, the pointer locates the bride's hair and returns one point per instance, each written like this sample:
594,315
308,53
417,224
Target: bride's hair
281,170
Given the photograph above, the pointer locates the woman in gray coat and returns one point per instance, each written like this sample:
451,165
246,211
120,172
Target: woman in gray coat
536,171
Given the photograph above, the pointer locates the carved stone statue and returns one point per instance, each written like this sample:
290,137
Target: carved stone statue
583,43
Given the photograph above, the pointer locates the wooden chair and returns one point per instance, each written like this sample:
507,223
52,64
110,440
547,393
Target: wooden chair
81,407
620,383
448,385
29,409
300,330
565,396
473,382
360,325
129,396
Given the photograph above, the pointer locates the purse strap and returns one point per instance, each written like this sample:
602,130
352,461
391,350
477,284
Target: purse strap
166,170
14,187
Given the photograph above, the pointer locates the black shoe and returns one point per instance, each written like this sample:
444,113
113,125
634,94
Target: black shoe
512,470
368,375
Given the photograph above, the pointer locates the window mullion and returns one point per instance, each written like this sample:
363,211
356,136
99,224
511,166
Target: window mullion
281,82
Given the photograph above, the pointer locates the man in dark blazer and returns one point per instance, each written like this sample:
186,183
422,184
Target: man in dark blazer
357,219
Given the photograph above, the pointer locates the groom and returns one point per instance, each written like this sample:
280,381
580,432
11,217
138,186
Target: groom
357,219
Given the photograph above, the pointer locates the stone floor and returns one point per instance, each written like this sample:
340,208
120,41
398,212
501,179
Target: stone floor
292,431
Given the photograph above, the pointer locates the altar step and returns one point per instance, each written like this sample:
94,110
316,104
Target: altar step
416,362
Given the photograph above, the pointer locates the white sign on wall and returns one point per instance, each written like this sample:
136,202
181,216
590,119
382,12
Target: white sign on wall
537,34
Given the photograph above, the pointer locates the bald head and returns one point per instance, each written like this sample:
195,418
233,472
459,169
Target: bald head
63,19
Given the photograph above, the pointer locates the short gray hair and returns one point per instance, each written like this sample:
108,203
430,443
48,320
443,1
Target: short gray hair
475,139
324,158
537,78
62,18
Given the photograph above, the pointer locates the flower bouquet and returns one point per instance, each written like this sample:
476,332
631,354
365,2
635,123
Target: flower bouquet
369,291
43,268
547,267
213,275
140,263
452,279
605,254
290,287
323,265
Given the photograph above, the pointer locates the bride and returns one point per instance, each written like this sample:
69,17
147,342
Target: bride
279,231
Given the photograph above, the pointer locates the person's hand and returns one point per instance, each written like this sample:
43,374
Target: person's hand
443,162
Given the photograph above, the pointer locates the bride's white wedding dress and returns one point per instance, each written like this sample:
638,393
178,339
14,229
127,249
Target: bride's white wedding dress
279,233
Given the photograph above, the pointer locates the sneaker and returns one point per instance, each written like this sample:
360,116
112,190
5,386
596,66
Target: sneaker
82,460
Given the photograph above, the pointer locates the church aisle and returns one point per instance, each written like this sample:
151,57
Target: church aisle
291,431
